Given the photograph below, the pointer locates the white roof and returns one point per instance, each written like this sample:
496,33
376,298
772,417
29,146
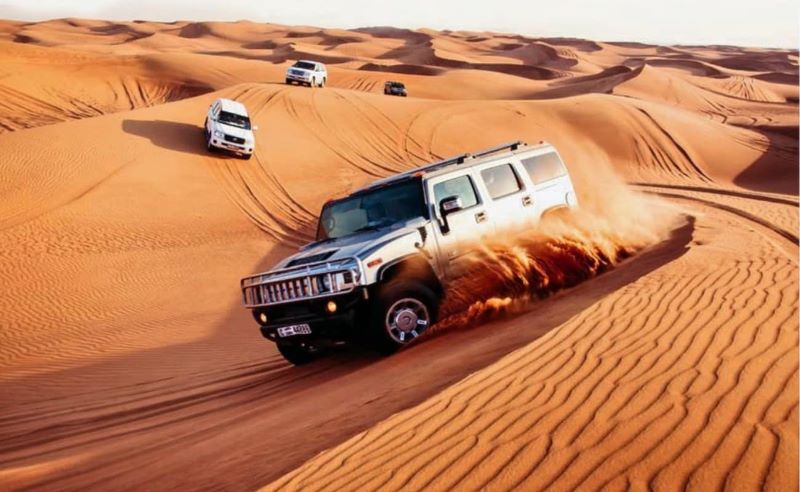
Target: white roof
230,106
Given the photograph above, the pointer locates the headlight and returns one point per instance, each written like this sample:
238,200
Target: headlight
347,279
218,134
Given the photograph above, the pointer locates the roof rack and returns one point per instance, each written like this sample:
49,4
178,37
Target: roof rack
492,150
459,159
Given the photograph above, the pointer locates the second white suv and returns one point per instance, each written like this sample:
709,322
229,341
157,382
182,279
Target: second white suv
228,128
311,73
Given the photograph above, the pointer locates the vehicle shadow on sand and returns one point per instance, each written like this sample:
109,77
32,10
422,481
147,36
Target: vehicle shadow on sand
171,135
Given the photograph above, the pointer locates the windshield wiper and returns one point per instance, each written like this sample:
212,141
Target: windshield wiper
370,227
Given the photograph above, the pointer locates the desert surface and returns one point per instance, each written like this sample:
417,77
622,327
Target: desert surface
649,342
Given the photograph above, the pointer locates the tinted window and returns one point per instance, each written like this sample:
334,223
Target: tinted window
501,180
544,167
304,65
461,187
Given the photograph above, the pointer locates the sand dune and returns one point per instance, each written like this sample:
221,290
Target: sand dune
650,342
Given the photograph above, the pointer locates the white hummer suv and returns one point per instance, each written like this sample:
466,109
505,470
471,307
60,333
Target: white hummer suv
385,254
311,73
227,127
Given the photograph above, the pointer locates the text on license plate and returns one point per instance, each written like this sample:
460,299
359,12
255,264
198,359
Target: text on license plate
290,331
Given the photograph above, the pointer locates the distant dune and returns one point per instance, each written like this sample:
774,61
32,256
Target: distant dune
658,349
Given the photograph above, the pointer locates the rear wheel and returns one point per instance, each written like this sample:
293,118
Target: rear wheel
298,354
247,156
404,310
288,82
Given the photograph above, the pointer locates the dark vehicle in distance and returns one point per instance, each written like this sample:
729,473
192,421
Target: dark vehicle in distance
392,88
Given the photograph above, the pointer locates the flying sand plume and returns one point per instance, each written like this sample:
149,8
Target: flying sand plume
506,276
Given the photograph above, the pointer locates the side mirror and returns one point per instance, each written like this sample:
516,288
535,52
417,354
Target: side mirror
450,204
447,206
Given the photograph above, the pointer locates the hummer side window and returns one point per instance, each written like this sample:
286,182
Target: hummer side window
460,187
544,167
501,181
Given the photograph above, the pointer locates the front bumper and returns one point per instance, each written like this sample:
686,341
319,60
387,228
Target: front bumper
340,326
298,78
233,147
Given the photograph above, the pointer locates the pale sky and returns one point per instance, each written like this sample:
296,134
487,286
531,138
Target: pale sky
773,23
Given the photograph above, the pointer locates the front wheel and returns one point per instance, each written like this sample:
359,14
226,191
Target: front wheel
404,310
298,355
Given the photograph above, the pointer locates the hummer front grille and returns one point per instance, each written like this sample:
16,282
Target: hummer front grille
265,293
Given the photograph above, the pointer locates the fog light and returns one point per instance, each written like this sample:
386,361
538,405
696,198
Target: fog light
331,307
263,317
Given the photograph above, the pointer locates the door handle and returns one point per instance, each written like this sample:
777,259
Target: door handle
527,200
480,217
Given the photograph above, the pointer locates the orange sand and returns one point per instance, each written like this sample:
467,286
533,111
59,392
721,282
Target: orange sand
127,361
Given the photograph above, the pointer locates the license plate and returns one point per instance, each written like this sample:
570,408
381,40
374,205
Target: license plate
290,331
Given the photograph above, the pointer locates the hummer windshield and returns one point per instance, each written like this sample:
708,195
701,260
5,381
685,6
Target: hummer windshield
372,209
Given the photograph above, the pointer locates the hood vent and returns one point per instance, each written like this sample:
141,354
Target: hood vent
311,259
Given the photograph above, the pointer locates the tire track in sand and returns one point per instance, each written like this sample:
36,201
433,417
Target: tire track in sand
789,239
257,190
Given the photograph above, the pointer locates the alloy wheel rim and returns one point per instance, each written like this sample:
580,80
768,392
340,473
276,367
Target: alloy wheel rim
406,319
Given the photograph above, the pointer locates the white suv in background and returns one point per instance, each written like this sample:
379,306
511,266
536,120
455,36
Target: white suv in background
228,128
307,72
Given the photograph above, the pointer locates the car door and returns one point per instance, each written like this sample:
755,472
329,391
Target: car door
508,198
461,231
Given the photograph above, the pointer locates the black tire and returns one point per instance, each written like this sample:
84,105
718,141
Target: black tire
247,157
324,81
210,147
297,355
288,82
403,299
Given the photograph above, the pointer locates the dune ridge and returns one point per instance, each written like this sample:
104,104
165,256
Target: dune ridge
667,357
